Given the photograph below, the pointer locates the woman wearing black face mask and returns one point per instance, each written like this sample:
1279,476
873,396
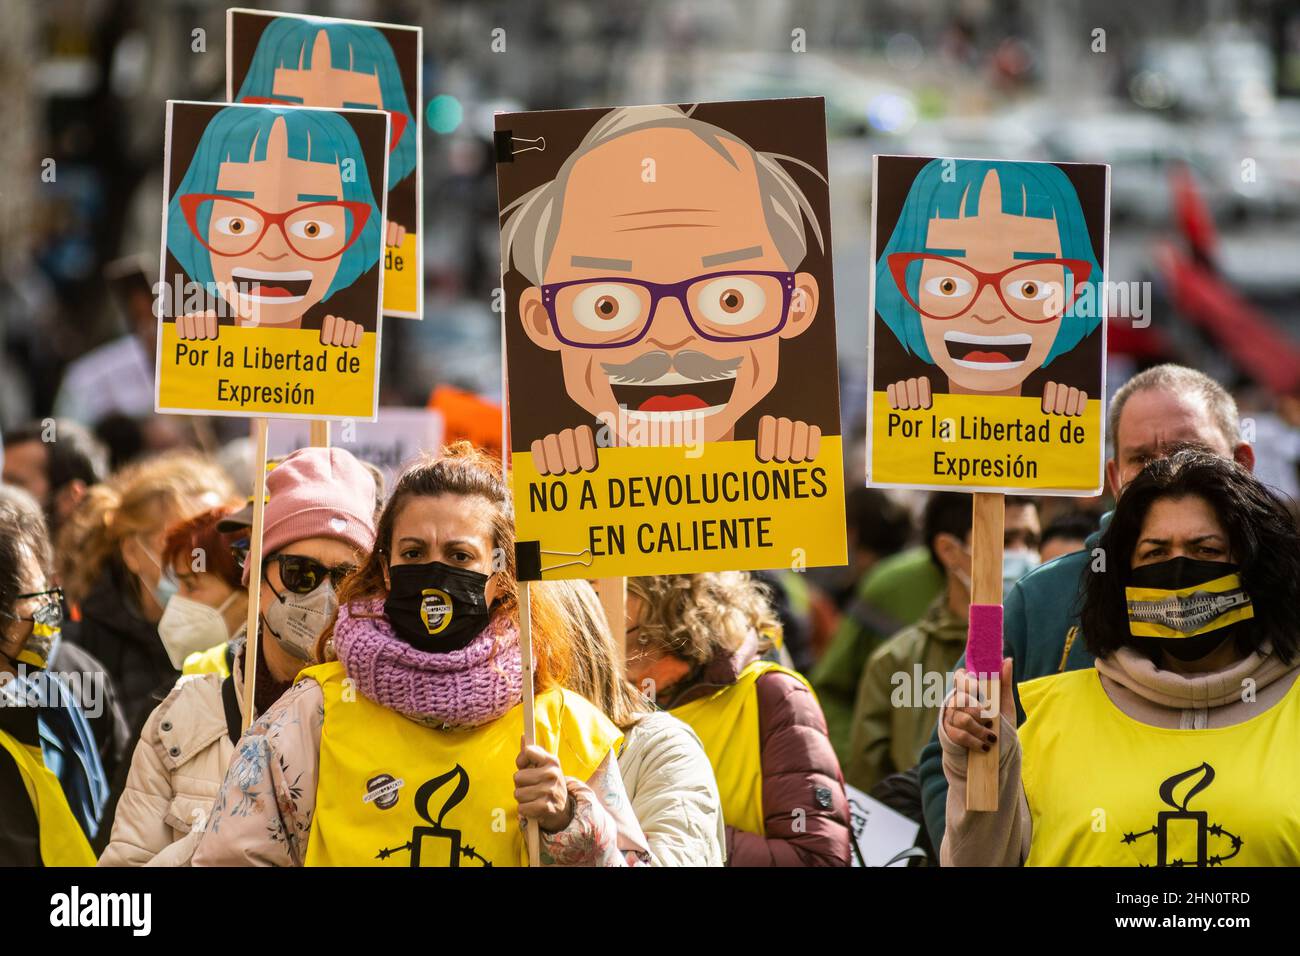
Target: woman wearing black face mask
1182,740
405,748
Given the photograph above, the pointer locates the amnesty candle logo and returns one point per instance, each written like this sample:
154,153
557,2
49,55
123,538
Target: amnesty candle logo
1183,836
77,909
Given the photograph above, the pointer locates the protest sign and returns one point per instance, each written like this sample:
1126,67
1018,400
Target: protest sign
393,440
988,325
289,59
880,833
670,338
269,299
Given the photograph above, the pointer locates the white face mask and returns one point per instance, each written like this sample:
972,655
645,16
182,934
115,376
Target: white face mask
297,620
188,626
1016,563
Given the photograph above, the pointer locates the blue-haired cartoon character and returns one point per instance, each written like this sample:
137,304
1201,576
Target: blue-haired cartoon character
989,275
275,214
305,61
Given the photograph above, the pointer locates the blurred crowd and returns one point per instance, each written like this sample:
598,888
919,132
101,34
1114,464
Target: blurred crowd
742,713
739,716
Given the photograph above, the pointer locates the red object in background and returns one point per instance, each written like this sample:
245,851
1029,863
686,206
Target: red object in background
1148,344
468,416
1249,337
1193,216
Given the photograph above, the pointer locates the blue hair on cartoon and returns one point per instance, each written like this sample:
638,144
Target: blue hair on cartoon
238,134
1038,190
287,43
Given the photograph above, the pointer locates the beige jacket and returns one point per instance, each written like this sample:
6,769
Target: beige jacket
1140,690
673,791
175,774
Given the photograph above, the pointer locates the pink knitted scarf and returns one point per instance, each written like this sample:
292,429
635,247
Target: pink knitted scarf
466,688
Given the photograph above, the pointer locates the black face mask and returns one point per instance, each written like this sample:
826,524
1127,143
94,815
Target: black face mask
1190,606
436,607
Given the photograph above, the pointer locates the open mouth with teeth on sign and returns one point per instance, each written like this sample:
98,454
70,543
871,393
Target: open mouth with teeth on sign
273,288
990,353
675,394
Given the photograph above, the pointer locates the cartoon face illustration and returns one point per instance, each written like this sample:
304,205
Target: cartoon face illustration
986,272
265,212
663,260
309,62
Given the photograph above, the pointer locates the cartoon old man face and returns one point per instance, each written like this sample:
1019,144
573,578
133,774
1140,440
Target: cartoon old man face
663,276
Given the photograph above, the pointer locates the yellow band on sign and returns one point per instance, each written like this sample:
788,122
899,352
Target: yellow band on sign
668,511
978,441
263,371
402,277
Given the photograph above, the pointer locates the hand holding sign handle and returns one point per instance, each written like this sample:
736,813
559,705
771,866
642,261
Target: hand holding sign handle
967,717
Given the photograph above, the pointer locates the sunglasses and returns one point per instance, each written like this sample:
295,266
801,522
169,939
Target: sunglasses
302,574
48,613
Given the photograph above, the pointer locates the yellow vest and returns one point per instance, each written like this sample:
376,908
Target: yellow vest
62,841
727,723
392,792
1106,790
211,661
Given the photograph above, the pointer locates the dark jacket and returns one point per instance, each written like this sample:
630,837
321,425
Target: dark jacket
113,630
1039,613
800,771
112,733
20,835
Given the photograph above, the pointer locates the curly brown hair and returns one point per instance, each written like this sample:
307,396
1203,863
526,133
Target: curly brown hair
697,616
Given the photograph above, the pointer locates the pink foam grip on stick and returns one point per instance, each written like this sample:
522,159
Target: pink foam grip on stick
984,640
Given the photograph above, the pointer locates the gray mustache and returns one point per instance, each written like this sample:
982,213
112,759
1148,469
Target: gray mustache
690,364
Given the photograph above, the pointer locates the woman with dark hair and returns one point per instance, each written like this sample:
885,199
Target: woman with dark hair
1158,755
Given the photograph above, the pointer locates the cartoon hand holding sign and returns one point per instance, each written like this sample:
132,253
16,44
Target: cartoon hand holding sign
984,277
987,335
266,212
666,296
270,294
670,339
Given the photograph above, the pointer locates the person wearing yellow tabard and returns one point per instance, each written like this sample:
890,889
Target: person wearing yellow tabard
61,841
403,794
694,641
727,724
1170,796
404,748
1178,747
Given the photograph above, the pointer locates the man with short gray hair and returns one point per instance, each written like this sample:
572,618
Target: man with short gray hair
1154,414
662,264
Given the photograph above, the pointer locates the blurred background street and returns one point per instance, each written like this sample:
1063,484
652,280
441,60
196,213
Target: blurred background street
1196,105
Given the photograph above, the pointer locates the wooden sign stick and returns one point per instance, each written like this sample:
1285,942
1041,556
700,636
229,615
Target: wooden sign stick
613,598
320,434
254,559
984,643
531,833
